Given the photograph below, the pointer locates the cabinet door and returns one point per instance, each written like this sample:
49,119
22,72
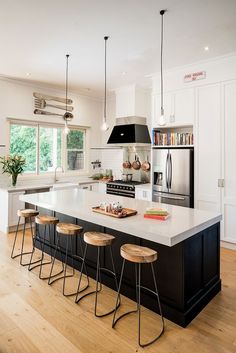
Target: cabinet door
183,107
208,148
156,108
94,187
14,205
143,194
229,165
102,187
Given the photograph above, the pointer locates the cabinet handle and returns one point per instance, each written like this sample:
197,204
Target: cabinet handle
221,183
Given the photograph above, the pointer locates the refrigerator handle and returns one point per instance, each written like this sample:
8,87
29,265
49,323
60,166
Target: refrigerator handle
167,172
170,171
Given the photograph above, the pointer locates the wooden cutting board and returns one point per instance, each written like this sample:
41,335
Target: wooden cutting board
129,212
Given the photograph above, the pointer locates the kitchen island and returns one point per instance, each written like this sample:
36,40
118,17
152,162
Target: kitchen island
188,246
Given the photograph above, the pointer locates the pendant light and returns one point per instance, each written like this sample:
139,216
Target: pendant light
162,119
67,116
105,126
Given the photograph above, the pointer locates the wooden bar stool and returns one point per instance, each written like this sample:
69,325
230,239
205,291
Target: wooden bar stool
25,213
69,231
98,240
139,255
46,221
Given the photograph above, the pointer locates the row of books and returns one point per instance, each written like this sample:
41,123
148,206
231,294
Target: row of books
172,138
156,213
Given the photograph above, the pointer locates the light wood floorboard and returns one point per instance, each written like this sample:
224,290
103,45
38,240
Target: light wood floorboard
36,318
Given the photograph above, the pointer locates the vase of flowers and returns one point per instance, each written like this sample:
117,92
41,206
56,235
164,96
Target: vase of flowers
13,165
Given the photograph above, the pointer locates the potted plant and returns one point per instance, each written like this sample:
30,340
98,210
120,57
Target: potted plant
13,165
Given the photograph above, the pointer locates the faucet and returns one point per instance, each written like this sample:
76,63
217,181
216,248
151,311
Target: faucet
55,173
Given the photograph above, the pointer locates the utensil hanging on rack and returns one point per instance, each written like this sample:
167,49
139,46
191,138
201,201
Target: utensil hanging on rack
52,98
136,164
127,164
43,112
41,104
146,166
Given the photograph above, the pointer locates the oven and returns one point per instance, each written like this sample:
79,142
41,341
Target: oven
121,189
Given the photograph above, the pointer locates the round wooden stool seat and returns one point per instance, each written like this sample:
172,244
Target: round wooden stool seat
68,228
98,239
45,219
138,254
27,213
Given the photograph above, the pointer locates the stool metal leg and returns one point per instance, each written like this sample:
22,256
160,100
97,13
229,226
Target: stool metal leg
32,254
114,321
138,296
42,258
98,283
65,264
13,248
22,253
57,247
83,266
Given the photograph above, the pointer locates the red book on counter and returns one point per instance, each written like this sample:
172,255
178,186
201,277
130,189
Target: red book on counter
153,216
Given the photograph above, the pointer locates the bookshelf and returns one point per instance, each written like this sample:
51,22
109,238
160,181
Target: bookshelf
172,136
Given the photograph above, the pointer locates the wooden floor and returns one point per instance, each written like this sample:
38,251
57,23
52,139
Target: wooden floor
37,318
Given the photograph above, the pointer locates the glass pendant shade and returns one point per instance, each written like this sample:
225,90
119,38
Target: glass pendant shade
104,126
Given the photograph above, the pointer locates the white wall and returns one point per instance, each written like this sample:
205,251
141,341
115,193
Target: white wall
16,101
218,69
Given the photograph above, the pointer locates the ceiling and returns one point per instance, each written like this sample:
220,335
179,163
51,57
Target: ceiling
36,35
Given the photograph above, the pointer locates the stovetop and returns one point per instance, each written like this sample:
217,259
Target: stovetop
133,182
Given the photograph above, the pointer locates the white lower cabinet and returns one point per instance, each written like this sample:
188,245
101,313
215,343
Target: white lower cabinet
89,186
14,204
102,188
143,194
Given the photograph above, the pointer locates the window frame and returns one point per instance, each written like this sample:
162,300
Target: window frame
64,164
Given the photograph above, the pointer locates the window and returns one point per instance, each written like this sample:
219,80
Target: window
75,150
45,147
49,148
23,142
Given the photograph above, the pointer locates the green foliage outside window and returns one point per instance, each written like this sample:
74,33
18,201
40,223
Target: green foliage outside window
23,141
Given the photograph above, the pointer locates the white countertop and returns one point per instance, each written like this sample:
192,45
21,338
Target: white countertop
182,223
21,186
146,186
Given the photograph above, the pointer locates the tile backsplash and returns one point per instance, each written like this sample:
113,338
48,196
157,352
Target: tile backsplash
143,154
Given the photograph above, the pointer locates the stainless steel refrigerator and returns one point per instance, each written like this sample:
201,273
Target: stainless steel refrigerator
173,176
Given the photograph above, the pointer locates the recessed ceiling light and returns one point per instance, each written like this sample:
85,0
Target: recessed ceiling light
28,74
206,48
123,73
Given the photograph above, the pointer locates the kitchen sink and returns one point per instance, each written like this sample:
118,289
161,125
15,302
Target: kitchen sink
64,185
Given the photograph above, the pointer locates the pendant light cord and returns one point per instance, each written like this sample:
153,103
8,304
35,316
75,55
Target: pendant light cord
105,81
67,58
162,14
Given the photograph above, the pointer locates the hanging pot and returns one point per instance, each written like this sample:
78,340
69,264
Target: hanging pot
136,164
127,164
146,166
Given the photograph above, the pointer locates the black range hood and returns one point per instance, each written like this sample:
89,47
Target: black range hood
130,130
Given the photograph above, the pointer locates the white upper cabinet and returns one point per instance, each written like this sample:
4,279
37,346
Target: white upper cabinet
179,108
184,107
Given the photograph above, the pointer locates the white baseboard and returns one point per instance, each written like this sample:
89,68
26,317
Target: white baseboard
228,245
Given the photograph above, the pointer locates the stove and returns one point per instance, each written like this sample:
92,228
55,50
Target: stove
122,188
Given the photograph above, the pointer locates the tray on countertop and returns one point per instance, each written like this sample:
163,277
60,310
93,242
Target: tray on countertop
129,212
